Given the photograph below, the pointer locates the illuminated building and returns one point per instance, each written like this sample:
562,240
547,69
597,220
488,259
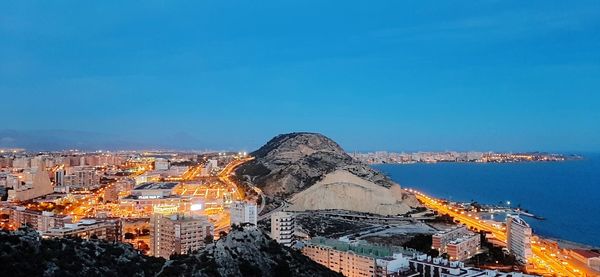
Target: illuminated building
424,265
146,196
519,238
40,221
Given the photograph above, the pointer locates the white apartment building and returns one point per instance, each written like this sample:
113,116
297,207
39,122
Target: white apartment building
35,184
243,212
519,238
178,234
282,227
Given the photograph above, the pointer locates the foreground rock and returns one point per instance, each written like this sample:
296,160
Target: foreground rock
313,172
245,251
24,253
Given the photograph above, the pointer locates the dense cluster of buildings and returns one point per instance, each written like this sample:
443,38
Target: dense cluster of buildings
383,157
359,259
51,225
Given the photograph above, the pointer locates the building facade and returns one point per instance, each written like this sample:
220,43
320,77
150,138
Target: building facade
108,230
178,234
243,212
518,238
282,227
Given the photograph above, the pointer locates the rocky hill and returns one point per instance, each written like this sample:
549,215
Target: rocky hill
291,163
24,253
245,251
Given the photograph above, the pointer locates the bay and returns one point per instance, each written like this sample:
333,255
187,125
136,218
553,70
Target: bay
566,194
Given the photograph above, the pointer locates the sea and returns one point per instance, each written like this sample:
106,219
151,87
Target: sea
566,194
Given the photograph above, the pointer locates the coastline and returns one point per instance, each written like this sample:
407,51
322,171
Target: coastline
551,182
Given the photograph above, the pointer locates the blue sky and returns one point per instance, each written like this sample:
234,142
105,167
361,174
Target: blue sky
394,75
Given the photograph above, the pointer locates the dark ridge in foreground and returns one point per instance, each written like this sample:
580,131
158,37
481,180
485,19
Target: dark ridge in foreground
245,251
24,253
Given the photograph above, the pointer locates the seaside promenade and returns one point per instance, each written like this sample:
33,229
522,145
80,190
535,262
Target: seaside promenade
542,262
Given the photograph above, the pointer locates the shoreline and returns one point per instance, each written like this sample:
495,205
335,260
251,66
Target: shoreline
453,162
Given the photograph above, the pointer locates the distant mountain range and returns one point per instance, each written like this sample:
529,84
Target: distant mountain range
55,140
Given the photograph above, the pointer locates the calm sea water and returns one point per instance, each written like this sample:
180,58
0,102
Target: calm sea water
567,194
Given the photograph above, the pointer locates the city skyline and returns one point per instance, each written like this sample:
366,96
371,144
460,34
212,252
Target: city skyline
494,76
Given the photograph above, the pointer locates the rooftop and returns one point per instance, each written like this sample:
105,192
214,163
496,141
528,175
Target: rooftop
363,249
156,185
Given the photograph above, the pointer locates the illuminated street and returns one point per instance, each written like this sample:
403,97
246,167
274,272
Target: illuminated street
543,262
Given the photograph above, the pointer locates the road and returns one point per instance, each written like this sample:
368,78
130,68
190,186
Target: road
226,176
541,258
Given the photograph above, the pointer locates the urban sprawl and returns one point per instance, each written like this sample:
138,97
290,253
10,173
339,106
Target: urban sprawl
383,157
142,197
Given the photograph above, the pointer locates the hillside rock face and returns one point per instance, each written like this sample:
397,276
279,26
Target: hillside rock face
245,251
291,163
342,190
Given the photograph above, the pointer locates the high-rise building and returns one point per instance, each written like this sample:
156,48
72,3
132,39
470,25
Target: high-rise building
81,177
282,227
59,176
243,212
518,238
178,234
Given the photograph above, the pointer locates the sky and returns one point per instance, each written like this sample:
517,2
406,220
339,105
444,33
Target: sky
372,75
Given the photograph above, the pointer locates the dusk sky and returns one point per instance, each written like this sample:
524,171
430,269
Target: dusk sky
372,75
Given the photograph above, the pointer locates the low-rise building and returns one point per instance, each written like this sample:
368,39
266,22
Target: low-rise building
108,230
146,196
423,265
357,259
38,220
584,256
